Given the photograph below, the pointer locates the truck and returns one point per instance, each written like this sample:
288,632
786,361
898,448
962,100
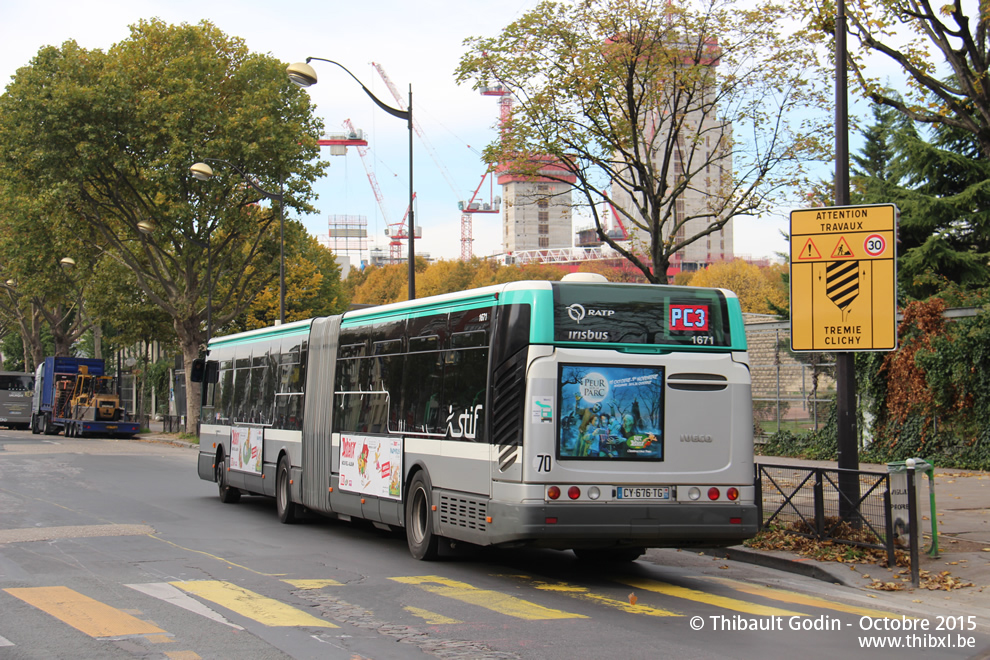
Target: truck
77,397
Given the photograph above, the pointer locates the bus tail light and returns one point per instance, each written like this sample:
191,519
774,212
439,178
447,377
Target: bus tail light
732,494
574,492
713,493
553,492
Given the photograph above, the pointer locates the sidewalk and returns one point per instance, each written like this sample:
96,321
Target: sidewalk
962,507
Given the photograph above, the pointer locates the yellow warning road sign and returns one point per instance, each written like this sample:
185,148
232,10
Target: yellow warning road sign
844,278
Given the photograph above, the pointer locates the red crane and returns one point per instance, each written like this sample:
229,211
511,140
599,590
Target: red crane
397,232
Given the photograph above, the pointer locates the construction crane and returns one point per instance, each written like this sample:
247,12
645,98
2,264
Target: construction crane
419,131
396,232
470,207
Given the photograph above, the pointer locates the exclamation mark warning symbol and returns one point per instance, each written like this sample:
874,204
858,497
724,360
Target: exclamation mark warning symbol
809,251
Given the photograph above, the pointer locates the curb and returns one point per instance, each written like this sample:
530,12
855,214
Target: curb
804,567
165,440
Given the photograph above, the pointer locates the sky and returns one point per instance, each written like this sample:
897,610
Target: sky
416,43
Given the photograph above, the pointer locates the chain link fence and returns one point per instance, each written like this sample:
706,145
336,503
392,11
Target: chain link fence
791,391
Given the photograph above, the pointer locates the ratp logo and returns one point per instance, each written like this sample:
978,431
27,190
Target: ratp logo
576,312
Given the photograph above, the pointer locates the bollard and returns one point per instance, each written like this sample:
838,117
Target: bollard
913,523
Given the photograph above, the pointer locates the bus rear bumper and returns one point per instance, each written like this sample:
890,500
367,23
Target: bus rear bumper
647,525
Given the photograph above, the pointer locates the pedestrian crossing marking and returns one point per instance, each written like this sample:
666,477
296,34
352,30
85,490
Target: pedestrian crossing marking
576,591
254,606
802,599
707,598
83,613
182,655
430,617
313,584
492,600
166,592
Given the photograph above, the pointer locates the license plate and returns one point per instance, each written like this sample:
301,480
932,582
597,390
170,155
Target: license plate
645,493
111,427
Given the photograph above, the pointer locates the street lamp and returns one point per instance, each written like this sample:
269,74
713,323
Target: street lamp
302,74
204,172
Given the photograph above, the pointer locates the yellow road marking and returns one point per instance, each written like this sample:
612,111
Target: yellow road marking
709,599
262,609
83,613
430,617
313,584
159,639
492,600
583,593
182,655
802,599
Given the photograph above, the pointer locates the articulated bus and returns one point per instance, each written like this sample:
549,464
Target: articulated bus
16,391
599,417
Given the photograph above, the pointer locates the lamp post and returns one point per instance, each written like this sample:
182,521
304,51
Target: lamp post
302,74
204,172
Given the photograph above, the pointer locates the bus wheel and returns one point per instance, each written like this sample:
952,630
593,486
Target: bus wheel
283,500
228,494
422,541
608,555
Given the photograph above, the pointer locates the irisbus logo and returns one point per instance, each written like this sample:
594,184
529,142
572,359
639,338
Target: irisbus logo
577,312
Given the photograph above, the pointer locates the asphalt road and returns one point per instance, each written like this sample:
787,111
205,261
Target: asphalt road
116,549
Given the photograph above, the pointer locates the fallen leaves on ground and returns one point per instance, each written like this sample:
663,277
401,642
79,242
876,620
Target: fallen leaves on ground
789,539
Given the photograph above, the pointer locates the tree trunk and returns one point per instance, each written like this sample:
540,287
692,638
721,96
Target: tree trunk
190,337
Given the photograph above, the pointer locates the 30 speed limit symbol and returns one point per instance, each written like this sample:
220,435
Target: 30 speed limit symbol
875,245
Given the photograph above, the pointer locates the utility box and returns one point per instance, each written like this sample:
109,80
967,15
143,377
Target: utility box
899,502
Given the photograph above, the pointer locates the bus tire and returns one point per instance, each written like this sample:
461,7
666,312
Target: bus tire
228,494
423,543
283,498
608,555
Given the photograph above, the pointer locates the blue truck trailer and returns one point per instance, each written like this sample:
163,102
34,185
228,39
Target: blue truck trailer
77,397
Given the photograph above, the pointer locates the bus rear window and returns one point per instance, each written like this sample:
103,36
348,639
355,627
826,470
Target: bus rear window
640,314
610,413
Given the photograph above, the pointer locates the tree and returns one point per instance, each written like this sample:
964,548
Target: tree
106,140
678,115
940,49
312,284
940,187
758,289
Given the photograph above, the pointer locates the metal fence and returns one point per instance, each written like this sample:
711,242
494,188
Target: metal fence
790,391
828,504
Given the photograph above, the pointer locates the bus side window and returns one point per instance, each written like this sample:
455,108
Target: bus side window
422,385
465,384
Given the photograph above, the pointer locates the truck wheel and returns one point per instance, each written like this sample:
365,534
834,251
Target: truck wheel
423,543
50,428
35,430
283,499
228,494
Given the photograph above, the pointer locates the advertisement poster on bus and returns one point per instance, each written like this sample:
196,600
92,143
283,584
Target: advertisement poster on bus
371,466
611,413
246,445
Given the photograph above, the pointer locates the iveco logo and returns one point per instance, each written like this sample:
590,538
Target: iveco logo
577,312
691,437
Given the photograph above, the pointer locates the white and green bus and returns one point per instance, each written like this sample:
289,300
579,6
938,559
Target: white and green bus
600,417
